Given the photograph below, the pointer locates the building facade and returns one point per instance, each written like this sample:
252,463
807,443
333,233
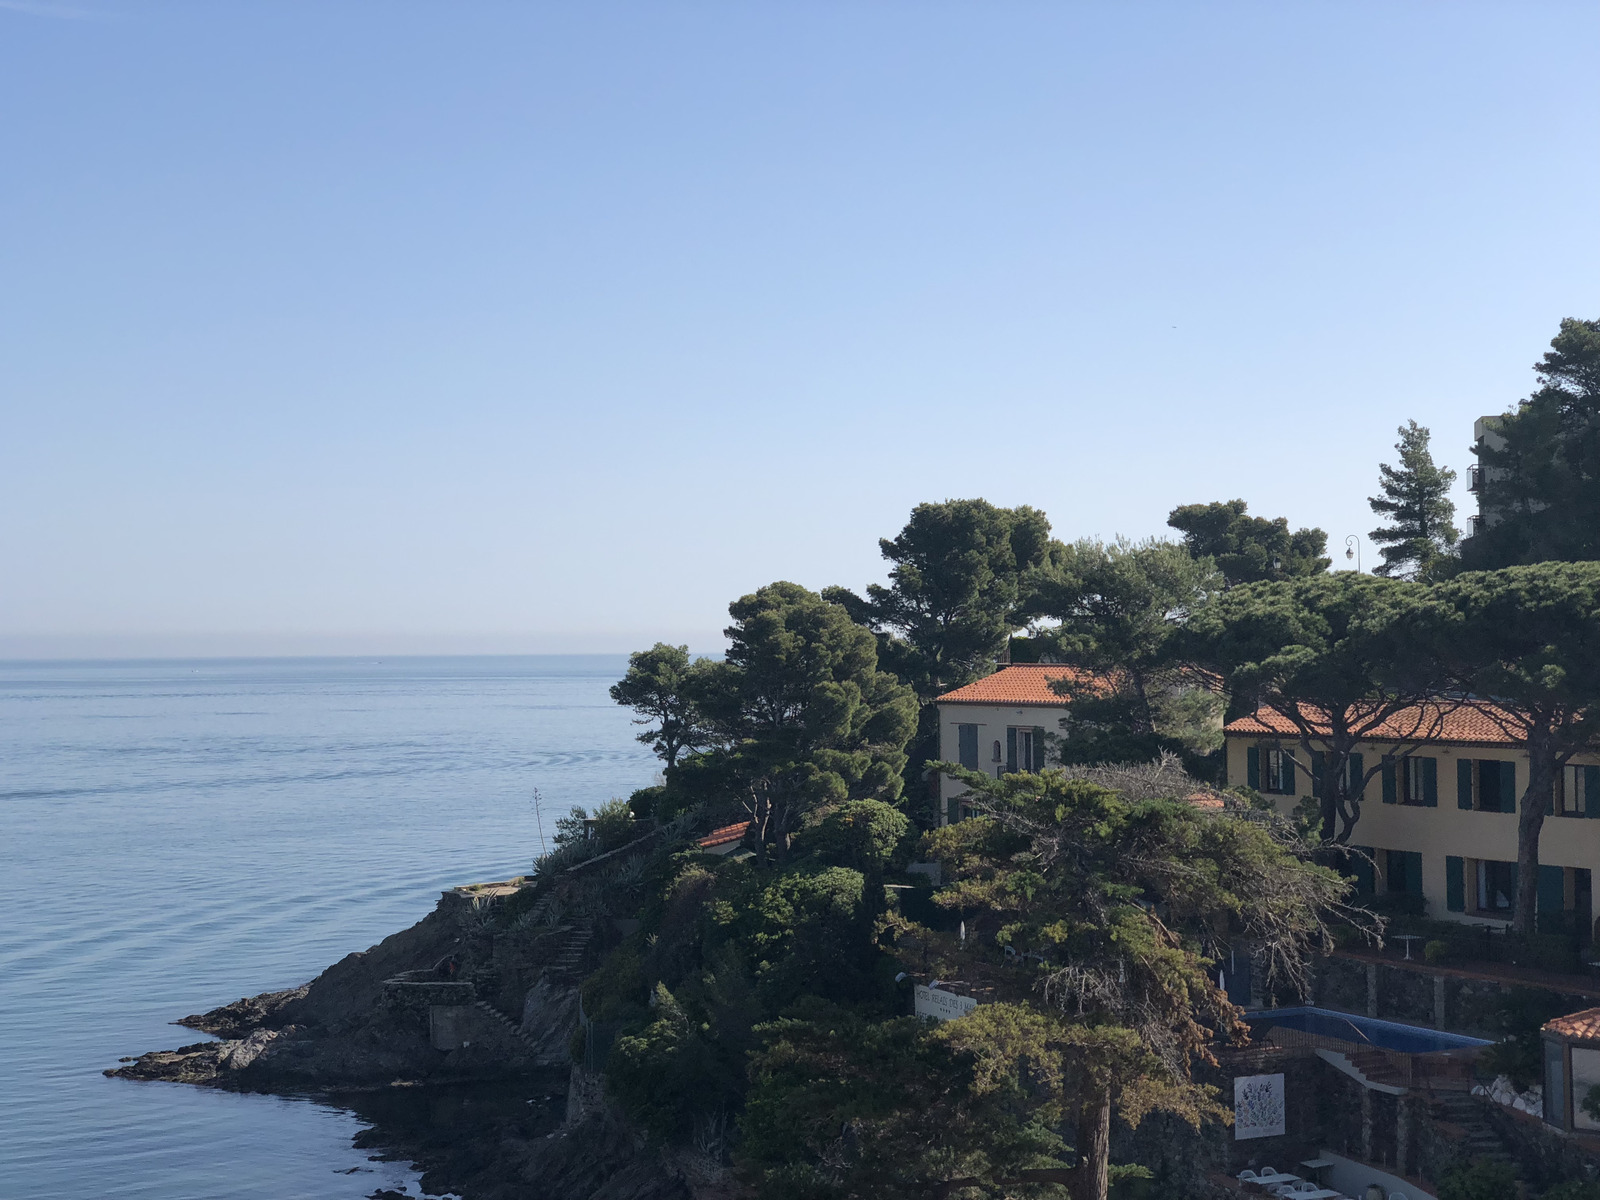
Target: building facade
1439,814
998,724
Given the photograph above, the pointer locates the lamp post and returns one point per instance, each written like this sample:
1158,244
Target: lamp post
1352,549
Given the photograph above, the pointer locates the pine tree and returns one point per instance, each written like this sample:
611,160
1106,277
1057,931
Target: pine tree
1416,499
1540,489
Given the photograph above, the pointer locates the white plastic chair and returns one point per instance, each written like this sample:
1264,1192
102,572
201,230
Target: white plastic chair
1247,1176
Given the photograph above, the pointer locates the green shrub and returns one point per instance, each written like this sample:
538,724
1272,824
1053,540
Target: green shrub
1591,1102
1481,1179
860,834
1436,951
1396,904
1518,1017
672,1070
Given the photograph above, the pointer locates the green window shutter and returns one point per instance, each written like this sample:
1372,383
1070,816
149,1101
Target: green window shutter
1358,772
1414,872
1389,790
952,811
1319,768
1508,787
1463,784
1038,748
1430,782
1365,883
1011,750
967,739
1591,791
1552,890
1252,767
1455,884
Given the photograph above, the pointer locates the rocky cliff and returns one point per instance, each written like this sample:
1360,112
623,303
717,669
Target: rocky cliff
468,1013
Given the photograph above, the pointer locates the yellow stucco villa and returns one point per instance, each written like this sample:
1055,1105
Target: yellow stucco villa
1438,817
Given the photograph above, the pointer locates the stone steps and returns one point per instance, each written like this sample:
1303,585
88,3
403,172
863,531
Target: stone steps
569,960
510,1026
1466,1113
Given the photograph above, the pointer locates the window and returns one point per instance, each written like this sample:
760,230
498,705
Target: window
1496,785
1571,794
967,746
1277,771
1024,748
1418,779
1497,886
1270,769
1411,778
1024,758
1402,871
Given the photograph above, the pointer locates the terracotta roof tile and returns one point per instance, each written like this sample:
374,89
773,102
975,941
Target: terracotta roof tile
1471,722
1019,683
724,835
1584,1026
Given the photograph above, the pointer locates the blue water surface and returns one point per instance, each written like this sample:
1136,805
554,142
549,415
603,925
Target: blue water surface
177,834
1387,1035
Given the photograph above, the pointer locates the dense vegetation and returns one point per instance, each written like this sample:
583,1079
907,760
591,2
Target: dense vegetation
759,1012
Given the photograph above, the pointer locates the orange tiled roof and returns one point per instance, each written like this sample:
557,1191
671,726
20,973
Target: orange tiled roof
1580,1026
1469,722
721,837
1019,683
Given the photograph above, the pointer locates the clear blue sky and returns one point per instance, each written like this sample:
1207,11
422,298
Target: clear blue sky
519,326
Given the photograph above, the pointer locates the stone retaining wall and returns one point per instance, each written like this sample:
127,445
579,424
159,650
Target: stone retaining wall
1413,993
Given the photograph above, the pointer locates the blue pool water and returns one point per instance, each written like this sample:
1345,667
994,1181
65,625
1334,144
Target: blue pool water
1387,1035
175,835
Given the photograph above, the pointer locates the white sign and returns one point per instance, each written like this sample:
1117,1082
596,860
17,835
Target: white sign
940,1005
1257,1106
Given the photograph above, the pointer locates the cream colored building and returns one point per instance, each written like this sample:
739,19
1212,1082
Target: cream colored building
998,724
1440,815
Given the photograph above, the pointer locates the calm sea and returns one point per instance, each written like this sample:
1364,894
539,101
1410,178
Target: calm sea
177,834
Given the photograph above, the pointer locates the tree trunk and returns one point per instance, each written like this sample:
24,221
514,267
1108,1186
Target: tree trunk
1092,1179
1530,822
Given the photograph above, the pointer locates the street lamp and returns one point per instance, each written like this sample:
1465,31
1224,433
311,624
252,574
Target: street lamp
1352,549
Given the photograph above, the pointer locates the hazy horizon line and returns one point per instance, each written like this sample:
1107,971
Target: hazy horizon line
30,647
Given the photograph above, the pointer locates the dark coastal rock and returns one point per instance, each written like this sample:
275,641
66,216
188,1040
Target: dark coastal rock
471,1093
240,1018
549,1013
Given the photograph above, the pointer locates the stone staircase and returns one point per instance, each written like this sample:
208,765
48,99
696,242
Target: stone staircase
570,958
511,1028
1466,1113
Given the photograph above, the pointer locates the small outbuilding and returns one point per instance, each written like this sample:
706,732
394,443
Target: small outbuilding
1572,1070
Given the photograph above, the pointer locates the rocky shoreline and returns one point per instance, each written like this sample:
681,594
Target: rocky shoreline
452,1039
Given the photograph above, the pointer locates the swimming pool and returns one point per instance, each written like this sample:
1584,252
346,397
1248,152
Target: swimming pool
1387,1035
